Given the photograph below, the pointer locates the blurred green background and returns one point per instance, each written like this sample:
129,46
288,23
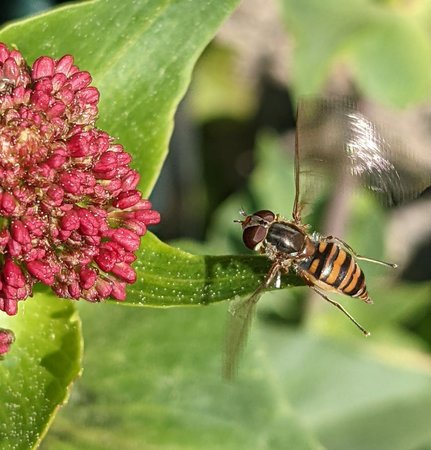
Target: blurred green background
308,379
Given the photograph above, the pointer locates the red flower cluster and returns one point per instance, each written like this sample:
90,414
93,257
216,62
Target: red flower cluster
70,214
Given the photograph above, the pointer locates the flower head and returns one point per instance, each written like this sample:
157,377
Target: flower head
70,214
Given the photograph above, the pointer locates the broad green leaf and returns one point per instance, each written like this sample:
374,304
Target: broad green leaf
153,380
140,55
36,374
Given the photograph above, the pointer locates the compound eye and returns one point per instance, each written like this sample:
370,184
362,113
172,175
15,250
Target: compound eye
253,236
266,215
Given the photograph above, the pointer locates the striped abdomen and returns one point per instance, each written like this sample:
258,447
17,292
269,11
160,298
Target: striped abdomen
332,268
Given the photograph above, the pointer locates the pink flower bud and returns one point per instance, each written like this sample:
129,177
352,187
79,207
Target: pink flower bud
126,238
137,226
119,291
40,100
89,95
55,194
57,159
4,238
70,182
64,65
80,80
7,203
19,232
11,69
89,224
56,110
105,259
7,338
124,272
14,248
58,81
70,221
43,67
4,53
148,216
42,271
87,277
127,199
12,274
103,288
73,290
130,181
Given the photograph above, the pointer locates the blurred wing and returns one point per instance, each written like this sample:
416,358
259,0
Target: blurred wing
241,314
333,137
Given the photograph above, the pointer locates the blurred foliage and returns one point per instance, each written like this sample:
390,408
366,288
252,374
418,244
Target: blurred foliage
384,45
218,92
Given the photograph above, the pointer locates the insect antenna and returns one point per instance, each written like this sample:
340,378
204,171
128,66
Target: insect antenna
242,213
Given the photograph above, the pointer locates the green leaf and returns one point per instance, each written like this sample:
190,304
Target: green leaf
168,276
36,374
140,54
153,380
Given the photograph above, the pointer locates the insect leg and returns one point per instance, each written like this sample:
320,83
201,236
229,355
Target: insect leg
341,308
240,317
363,258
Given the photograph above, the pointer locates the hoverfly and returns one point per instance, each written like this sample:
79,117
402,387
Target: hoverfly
327,264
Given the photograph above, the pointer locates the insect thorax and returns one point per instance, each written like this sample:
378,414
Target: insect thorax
285,238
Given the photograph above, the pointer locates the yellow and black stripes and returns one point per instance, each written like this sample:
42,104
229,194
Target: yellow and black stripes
337,269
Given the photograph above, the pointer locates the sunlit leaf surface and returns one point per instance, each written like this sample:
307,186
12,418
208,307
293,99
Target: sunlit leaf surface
36,374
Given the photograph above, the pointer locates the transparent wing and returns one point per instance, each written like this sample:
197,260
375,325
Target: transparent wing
334,138
241,314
